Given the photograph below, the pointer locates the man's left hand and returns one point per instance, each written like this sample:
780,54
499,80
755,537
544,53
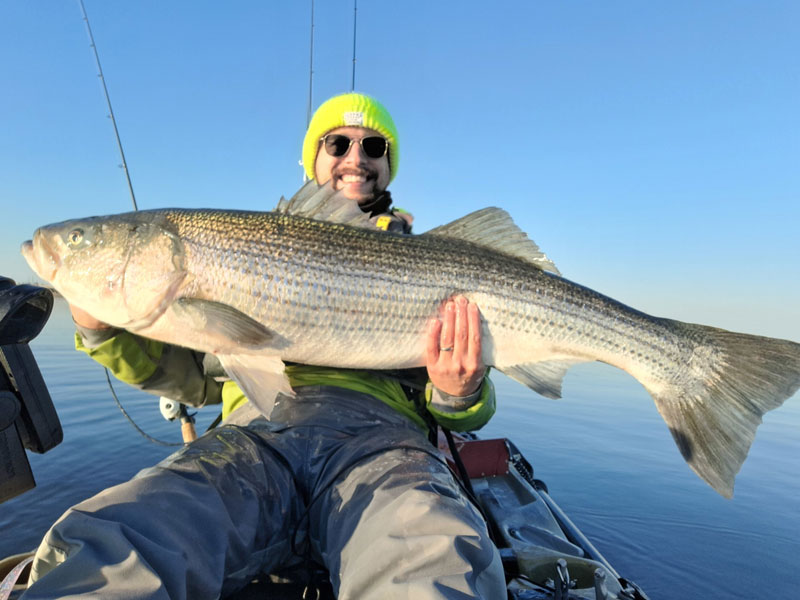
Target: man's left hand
453,352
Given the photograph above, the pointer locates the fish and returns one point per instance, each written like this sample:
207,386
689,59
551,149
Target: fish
314,282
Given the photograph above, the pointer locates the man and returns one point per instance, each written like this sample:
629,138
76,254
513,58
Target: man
342,473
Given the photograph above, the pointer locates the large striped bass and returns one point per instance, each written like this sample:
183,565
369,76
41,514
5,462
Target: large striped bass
260,288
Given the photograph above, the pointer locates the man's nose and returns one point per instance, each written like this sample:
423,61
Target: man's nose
355,154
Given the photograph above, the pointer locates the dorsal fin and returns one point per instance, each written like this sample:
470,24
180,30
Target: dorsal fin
493,228
323,203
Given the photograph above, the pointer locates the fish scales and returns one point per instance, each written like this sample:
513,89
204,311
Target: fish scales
364,283
259,288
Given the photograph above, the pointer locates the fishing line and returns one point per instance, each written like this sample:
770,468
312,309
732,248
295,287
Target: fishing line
131,421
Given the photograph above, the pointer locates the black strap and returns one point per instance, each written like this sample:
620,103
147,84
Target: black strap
462,470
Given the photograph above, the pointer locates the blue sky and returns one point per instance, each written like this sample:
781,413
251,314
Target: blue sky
651,149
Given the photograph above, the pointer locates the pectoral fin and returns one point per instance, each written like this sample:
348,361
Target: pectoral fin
225,327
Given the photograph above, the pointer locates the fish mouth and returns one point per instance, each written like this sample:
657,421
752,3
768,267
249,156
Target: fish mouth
41,256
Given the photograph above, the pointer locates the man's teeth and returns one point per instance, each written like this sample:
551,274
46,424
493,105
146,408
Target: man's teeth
354,178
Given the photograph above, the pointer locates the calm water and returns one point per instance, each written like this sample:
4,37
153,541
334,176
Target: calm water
603,450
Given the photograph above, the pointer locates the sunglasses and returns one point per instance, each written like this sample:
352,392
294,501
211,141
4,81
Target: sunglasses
338,145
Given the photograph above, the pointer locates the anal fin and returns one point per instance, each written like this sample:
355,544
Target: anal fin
544,377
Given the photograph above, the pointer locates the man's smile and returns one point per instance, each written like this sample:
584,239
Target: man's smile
354,178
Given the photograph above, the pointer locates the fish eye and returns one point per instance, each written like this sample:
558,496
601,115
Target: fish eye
75,237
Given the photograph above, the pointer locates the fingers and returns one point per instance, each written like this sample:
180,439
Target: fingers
461,332
454,359
432,346
460,328
447,339
474,334
84,319
469,336
441,332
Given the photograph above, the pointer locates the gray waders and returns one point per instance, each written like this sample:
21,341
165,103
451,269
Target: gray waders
335,475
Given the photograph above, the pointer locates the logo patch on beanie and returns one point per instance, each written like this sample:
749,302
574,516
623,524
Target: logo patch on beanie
354,118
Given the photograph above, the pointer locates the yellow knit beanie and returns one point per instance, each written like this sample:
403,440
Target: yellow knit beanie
349,110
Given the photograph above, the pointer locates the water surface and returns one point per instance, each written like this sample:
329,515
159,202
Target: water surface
603,450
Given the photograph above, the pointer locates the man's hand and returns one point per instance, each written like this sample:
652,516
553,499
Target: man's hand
84,319
453,352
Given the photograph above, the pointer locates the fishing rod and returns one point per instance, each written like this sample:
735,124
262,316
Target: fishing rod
124,164
355,18
310,81
187,422
311,67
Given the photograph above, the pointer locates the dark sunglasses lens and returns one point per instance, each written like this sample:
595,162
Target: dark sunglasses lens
374,147
337,145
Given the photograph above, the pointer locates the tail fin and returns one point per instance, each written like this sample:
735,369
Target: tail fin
714,409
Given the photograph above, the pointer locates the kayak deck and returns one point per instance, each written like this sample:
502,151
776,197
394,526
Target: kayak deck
544,554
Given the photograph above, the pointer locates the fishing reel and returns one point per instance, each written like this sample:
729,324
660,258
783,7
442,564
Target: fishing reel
28,419
171,410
